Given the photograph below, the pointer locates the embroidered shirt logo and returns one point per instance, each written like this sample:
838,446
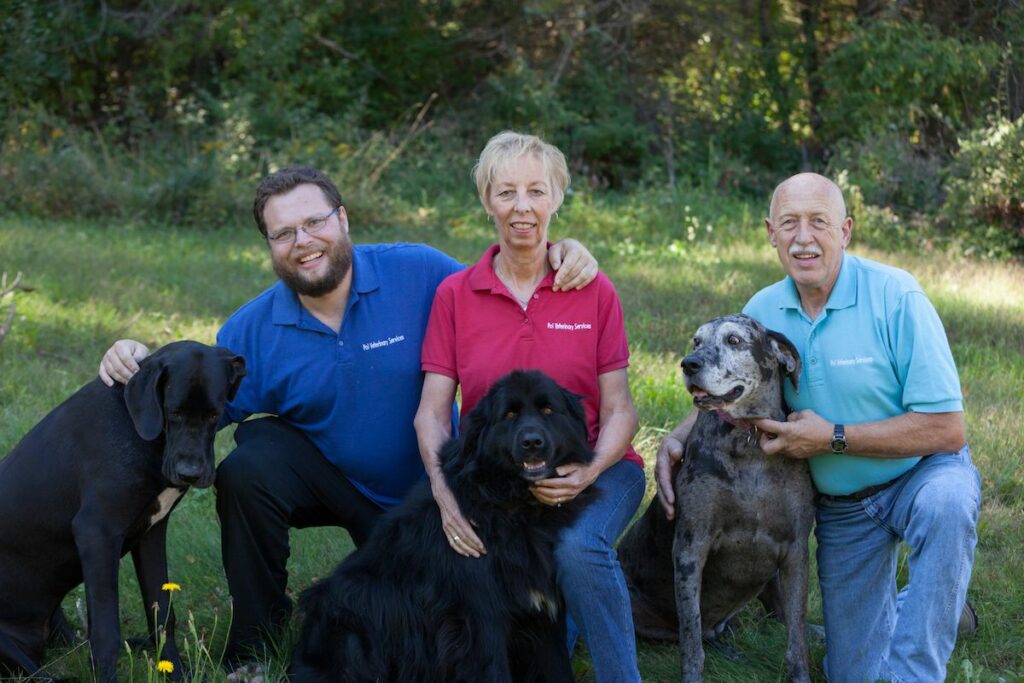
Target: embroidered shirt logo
859,360
370,346
570,327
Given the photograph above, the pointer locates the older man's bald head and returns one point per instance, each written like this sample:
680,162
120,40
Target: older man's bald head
810,183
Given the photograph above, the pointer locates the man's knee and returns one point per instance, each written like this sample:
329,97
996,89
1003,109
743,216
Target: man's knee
948,502
263,447
241,471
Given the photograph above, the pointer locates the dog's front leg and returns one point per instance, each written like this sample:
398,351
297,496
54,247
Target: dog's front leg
688,567
793,583
150,558
99,550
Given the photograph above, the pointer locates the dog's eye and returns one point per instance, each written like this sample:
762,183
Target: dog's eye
733,340
547,410
696,342
511,415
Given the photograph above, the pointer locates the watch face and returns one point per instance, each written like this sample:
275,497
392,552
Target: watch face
839,445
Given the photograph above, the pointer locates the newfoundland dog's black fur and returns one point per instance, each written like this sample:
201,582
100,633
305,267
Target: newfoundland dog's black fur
405,607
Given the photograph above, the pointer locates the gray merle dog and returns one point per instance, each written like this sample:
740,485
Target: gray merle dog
742,518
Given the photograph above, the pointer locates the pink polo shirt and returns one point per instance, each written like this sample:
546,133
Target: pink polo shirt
478,332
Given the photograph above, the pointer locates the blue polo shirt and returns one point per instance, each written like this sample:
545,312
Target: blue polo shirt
876,351
354,393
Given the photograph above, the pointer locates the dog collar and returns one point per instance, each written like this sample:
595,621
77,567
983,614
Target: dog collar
739,424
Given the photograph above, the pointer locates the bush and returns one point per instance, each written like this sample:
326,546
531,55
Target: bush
985,190
908,78
891,171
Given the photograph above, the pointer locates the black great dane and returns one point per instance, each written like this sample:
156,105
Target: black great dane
742,518
96,479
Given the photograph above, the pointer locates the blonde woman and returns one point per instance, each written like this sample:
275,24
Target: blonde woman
501,314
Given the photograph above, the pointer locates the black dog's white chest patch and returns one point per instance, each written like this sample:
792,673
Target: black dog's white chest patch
542,602
163,504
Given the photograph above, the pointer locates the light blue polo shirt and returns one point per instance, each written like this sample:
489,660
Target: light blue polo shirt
877,350
353,393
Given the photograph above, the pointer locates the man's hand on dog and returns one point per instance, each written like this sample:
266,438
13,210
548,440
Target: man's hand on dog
803,434
121,361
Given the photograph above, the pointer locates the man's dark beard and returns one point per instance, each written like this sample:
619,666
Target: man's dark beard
339,260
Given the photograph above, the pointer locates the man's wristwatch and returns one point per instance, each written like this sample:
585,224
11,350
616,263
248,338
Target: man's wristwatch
839,439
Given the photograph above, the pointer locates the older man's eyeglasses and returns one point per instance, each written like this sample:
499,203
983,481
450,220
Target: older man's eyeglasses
310,227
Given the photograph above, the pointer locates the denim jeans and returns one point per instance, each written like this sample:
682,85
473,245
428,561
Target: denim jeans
871,631
590,576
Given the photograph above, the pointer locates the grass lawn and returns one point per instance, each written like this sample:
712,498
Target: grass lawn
677,261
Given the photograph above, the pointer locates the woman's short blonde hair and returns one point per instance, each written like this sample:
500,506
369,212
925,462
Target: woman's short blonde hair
508,145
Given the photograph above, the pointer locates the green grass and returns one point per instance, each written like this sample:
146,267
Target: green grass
676,260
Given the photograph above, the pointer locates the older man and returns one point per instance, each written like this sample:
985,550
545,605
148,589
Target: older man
879,415
333,354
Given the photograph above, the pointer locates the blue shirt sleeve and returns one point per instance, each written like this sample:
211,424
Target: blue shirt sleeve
924,361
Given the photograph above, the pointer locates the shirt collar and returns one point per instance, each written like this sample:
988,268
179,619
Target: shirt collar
484,277
287,309
843,294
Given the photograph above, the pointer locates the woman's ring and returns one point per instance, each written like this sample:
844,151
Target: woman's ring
455,539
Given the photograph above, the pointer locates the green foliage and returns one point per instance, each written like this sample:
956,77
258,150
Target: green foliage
171,111
985,189
729,118
877,226
903,77
891,171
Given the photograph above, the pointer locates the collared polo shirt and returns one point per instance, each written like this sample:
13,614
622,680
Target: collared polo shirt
355,392
877,350
478,332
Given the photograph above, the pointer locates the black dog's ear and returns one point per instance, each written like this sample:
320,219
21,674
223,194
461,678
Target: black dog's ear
787,355
472,431
236,370
574,408
144,397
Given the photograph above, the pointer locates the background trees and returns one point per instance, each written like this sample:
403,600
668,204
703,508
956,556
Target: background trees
170,110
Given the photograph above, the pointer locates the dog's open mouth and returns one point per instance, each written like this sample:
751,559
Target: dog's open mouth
535,469
708,401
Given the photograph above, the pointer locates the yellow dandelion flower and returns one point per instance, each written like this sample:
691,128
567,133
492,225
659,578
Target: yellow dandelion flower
170,587
164,667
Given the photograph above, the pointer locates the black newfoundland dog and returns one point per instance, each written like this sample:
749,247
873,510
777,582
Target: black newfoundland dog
405,607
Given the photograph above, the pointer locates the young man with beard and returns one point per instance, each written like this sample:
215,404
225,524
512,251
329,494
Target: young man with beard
332,353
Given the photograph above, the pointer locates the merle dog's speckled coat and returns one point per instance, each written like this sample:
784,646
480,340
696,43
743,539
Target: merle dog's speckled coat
742,518
405,607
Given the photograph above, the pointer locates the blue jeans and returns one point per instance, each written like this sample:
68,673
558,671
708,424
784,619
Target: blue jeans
871,631
591,578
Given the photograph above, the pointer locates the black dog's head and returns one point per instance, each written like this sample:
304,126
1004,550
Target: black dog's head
180,391
525,426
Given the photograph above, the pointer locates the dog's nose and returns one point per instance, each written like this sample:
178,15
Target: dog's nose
188,473
531,441
691,364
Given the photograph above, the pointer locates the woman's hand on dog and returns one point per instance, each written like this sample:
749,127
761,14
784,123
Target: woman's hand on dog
669,453
457,528
121,361
570,482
